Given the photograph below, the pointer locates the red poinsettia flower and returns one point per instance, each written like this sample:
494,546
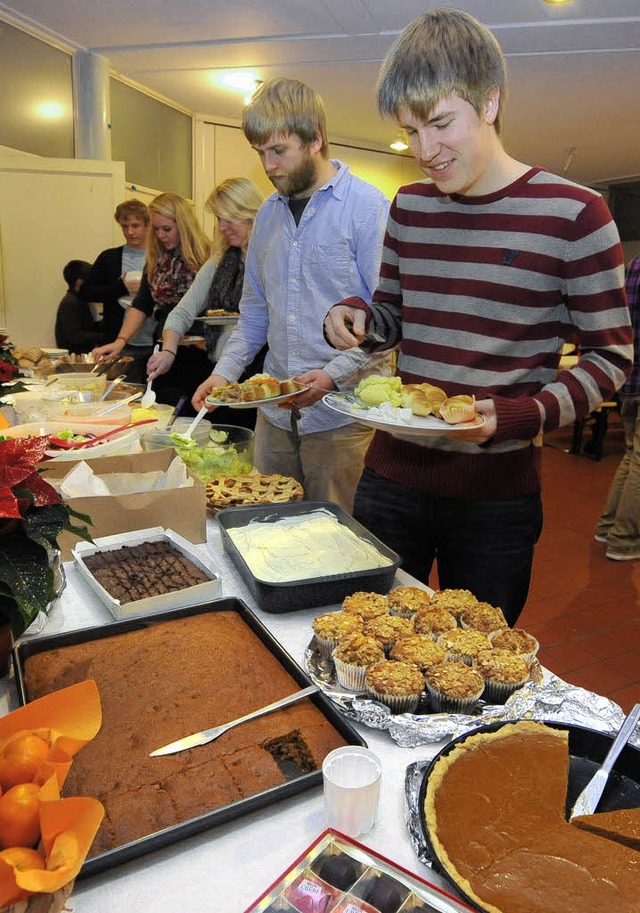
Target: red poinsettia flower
17,470
7,372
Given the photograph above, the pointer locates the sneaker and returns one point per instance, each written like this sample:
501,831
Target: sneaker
622,556
601,537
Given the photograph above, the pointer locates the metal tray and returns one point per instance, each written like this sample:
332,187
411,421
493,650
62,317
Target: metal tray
291,787
314,591
587,751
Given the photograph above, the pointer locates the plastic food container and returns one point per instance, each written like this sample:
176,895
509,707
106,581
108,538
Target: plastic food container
228,451
158,438
96,383
314,591
89,412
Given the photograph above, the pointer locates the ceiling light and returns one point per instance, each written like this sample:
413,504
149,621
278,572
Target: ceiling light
557,1
241,81
399,144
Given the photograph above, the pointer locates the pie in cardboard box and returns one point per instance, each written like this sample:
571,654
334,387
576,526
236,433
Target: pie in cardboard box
37,746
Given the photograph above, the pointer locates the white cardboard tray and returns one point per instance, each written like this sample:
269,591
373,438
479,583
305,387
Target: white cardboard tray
193,595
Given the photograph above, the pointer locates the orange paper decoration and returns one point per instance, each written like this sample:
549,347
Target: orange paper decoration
67,719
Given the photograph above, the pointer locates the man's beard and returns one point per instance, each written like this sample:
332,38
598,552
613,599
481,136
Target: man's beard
296,182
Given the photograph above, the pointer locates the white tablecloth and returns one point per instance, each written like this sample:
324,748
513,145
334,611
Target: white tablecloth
223,870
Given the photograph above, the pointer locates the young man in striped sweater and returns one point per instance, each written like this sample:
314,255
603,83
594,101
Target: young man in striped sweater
486,269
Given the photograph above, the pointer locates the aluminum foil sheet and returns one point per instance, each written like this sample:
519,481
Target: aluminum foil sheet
546,697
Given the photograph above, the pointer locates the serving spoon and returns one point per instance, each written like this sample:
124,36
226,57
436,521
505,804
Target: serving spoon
149,397
186,437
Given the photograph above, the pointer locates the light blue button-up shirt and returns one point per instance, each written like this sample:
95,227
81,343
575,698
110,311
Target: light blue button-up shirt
294,274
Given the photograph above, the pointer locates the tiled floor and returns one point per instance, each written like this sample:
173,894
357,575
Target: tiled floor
583,608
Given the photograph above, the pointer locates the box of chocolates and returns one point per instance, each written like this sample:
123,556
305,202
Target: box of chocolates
338,875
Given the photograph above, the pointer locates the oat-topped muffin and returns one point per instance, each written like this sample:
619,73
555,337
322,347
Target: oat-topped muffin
503,672
369,605
352,656
464,645
407,600
483,617
454,601
387,629
418,649
434,622
396,684
332,627
517,640
454,687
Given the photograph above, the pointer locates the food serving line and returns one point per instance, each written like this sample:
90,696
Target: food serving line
225,869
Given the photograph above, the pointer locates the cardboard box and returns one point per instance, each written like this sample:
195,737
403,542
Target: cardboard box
181,509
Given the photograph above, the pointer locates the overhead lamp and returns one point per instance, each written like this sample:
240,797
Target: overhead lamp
557,1
49,110
240,80
399,144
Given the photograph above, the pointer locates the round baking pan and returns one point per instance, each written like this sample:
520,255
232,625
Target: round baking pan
587,751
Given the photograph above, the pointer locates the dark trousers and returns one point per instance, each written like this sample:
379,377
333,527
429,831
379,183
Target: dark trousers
482,546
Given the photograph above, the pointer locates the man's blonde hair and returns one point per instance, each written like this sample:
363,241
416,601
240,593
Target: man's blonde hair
235,200
441,53
286,106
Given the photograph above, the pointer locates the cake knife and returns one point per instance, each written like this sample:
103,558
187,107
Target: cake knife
587,801
208,735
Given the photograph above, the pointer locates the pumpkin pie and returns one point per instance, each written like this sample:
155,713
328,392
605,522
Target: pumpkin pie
495,813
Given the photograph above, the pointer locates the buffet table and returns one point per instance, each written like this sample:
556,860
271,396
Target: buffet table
225,869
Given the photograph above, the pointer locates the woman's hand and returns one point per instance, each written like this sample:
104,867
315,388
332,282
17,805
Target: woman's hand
111,350
205,388
160,363
132,285
345,326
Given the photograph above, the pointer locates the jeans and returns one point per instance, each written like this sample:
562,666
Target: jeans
482,546
620,522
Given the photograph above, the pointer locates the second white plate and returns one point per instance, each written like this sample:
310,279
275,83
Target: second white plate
421,425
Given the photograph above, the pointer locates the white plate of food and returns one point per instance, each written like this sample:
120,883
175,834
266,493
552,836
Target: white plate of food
259,390
395,420
217,320
253,404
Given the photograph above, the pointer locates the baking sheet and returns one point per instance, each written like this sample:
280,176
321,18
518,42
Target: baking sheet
587,751
217,816
421,425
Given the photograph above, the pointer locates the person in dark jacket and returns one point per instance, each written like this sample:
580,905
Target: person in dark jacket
76,329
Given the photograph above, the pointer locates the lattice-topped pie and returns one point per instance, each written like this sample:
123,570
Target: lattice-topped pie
238,491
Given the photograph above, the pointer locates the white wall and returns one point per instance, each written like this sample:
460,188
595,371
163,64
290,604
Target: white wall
51,211
223,152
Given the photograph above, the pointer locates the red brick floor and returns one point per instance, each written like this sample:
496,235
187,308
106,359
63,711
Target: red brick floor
583,608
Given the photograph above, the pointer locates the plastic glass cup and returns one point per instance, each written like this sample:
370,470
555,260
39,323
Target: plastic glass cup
352,777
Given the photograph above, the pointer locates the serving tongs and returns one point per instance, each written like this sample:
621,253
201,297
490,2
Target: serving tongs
103,366
61,444
208,735
587,801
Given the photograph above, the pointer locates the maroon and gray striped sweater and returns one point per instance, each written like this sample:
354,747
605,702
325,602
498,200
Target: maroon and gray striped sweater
481,293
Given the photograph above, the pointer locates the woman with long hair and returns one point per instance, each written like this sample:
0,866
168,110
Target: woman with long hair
177,247
218,286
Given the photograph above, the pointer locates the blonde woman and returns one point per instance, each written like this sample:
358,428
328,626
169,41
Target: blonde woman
218,285
177,247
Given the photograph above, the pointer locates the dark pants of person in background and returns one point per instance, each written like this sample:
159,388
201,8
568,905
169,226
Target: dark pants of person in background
482,546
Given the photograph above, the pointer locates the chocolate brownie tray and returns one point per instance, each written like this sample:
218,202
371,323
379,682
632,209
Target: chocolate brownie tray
148,570
164,677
